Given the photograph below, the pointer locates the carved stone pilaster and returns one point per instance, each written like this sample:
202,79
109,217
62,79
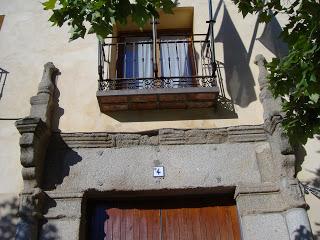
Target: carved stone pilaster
35,133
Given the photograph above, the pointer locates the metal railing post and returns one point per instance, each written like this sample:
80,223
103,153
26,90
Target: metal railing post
100,61
213,54
154,47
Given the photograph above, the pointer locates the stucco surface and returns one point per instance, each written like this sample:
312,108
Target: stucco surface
10,168
27,41
309,156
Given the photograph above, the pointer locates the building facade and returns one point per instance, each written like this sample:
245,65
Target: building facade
161,136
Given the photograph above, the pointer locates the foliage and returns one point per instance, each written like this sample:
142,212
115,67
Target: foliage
98,16
296,77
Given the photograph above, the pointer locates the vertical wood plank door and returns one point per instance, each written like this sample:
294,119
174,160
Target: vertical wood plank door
168,219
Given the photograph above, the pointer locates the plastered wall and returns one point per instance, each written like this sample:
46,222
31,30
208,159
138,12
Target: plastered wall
310,174
28,41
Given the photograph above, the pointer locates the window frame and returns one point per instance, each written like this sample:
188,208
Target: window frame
161,32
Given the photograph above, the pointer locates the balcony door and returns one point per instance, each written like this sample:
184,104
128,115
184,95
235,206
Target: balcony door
173,61
137,61
179,219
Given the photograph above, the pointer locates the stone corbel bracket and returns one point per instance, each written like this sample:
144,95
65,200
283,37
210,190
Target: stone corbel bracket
33,144
35,133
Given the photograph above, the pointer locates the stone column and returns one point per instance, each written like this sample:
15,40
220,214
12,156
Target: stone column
35,133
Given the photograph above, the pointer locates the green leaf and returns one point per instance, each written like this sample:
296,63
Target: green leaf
245,7
50,4
315,97
102,14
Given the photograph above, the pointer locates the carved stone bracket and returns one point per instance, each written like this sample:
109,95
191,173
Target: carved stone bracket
35,133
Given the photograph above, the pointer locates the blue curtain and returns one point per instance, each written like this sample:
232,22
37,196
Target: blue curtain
138,60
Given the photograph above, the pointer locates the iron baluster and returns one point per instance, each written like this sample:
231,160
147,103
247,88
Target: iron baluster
211,23
154,47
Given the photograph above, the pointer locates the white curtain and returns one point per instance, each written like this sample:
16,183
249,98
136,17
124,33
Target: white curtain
138,60
175,61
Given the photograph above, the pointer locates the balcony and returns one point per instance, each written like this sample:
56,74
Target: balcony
167,71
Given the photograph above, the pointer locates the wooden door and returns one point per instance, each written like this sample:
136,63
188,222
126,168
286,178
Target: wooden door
178,219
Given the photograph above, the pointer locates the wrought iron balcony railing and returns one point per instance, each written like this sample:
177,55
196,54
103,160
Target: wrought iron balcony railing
179,61
158,71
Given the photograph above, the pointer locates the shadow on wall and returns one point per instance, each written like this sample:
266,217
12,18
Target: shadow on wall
300,153
239,78
270,38
59,160
302,233
8,218
3,79
315,182
49,232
